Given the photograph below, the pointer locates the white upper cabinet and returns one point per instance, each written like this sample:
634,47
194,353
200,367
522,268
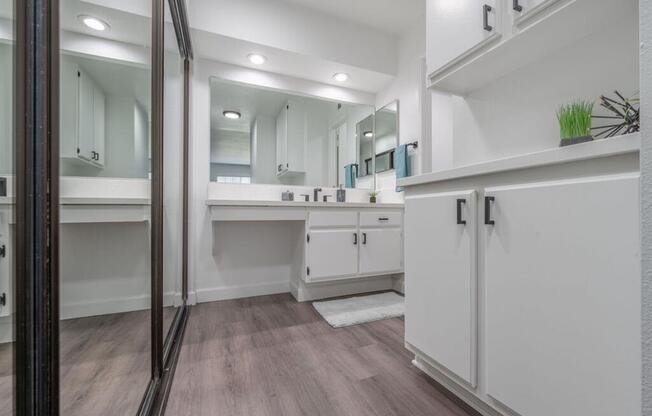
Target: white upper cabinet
457,28
440,279
291,139
563,287
82,116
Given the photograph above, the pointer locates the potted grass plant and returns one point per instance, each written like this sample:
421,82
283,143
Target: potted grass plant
372,196
575,122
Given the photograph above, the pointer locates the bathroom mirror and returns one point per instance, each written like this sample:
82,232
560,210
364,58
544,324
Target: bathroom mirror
263,136
104,262
386,136
365,135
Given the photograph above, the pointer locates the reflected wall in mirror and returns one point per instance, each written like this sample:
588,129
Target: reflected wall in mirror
271,137
7,234
364,132
386,136
105,278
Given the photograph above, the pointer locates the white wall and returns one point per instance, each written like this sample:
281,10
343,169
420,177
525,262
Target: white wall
646,199
406,88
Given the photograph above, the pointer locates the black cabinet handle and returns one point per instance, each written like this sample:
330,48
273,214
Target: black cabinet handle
488,200
383,219
517,6
364,238
485,18
460,202
355,239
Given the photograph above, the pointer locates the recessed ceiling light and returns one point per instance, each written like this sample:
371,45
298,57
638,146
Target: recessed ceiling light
256,59
94,23
233,115
340,76
368,134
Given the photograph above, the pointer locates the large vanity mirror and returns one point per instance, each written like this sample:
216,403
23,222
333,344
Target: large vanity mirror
262,136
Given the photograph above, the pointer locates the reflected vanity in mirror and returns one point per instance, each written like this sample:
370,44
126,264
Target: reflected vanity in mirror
262,136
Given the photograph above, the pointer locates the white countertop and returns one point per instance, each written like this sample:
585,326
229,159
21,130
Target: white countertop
253,203
592,150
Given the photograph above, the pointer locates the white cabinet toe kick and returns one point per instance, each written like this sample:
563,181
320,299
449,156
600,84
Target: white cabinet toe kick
347,249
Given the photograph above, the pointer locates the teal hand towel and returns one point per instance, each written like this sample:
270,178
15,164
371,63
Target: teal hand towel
401,163
350,175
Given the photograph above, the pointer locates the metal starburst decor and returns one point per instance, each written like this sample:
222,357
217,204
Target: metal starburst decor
624,113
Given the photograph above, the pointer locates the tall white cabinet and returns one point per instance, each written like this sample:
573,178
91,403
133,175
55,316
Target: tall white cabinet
82,116
291,138
440,288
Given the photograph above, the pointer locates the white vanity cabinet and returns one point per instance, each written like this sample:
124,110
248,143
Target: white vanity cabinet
456,29
347,244
536,286
82,116
562,272
291,139
440,284
5,261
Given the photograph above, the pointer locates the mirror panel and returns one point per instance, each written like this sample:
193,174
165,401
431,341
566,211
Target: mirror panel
386,136
263,136
7,156
173,174
105,279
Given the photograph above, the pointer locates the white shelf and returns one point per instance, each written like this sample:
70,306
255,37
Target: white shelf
591,150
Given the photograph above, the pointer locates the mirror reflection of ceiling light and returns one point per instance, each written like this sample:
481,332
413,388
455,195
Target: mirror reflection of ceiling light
256,59
233,115
340,77
94,23
368,134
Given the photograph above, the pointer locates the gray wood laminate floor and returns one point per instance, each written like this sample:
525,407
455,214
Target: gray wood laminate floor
105,364
273,356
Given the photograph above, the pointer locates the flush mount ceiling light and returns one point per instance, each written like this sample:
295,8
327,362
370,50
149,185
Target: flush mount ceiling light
233,115
368,134
340,76
256,58
94,23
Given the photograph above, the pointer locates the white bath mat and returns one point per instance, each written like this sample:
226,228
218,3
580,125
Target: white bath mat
361,309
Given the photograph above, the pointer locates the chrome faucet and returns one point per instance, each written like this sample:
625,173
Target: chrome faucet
316,192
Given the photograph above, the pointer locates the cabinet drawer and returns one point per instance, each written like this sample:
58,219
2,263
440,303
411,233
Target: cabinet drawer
381,219
333,219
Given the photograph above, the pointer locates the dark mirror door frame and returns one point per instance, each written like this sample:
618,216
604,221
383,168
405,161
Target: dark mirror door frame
37,208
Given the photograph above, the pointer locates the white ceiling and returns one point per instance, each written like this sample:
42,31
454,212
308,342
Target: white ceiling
391,16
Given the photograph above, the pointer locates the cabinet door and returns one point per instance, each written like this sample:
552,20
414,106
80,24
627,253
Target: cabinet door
563,297
6,269
99,106
440,279
332,254
281,140
456,29
381,251
68,110
296,137
86,120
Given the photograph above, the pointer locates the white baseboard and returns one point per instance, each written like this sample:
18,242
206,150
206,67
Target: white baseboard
117,305
304,292
399,284
243,291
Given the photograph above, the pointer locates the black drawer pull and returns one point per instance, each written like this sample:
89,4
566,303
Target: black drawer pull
364,238
488,200
485,18
517,6
460,202
383,219
355,239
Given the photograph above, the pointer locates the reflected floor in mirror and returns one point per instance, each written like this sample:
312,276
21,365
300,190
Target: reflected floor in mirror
271,355
105,364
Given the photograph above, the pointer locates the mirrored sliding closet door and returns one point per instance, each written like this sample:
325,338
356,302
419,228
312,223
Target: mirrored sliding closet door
105,216
7,229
